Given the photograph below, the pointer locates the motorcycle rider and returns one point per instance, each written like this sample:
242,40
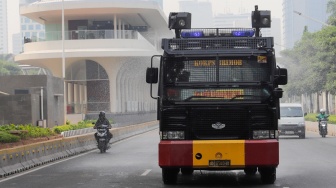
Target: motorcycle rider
322,115
102,120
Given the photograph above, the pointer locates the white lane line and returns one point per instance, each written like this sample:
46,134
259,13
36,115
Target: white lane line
146,172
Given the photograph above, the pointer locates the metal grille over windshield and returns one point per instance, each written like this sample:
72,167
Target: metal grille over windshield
221,70
214,79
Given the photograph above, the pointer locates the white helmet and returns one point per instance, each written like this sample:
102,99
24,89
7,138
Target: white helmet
322,110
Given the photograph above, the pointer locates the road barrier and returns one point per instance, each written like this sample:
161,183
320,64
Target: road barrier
81,131
15,160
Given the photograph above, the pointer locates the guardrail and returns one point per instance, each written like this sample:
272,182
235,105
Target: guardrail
81,131
15,160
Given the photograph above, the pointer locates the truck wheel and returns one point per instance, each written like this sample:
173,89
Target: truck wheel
187,171
268,175
250,171
169,175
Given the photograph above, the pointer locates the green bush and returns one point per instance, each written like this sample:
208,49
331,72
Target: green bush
35,131
68,127
8,138
30,131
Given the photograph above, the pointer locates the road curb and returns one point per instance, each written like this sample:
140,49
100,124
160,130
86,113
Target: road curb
15,160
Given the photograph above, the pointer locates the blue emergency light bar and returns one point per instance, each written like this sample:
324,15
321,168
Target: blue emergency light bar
221,33
248,33
192,34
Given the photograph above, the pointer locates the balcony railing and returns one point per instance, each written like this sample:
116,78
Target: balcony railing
85,35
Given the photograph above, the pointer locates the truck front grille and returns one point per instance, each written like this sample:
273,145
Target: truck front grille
218,123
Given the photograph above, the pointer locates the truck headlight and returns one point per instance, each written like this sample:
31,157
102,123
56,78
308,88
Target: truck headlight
265,134
172,135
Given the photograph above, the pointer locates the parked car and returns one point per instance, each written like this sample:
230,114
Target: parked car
292,120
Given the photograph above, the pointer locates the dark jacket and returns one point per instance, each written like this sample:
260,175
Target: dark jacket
102,121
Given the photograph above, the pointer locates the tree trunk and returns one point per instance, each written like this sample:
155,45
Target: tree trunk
311,105
327,101
317,102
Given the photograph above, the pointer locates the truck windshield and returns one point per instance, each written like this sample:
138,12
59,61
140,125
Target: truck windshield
291,112
209,79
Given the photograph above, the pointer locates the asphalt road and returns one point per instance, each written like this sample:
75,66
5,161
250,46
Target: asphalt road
132,163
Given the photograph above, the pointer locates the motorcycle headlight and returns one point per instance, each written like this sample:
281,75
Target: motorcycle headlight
172,135
265,134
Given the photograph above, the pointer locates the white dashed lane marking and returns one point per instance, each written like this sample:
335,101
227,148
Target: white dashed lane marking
146,172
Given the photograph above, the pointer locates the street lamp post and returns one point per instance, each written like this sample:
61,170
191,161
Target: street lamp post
63,65
318,21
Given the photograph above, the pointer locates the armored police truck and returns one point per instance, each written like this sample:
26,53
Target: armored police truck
218,99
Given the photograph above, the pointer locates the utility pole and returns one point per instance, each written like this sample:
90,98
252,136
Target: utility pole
318,21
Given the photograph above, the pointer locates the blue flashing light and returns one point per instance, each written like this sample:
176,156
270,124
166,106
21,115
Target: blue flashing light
192,34
248,33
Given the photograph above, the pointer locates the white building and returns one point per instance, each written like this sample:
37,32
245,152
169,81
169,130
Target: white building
107,47
17,43
3,28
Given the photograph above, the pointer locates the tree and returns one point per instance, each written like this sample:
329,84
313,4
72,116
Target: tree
8,68
331,8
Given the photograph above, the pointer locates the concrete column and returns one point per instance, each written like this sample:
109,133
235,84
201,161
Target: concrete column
76,99
112,66
124,94
115,26
119,28
123,30
70,93
85,98
70,98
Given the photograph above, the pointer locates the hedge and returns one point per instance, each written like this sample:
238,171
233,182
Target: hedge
312,117
6,137
30,131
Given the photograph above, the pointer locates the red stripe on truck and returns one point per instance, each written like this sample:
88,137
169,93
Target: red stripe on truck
175,153
262,152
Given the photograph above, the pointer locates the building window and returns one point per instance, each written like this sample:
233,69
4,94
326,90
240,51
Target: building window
23,27
27,34
27,20
41,35
38,27
31,27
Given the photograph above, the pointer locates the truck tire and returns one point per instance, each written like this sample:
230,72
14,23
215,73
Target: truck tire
169,175
187,171
250,171
267,174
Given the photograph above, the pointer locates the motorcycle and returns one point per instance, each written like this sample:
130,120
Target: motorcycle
103,141
323,127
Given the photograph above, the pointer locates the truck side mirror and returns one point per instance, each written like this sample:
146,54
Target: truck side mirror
152,75
282,76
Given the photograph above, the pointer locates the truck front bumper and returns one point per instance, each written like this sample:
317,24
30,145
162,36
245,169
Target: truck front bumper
226,154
